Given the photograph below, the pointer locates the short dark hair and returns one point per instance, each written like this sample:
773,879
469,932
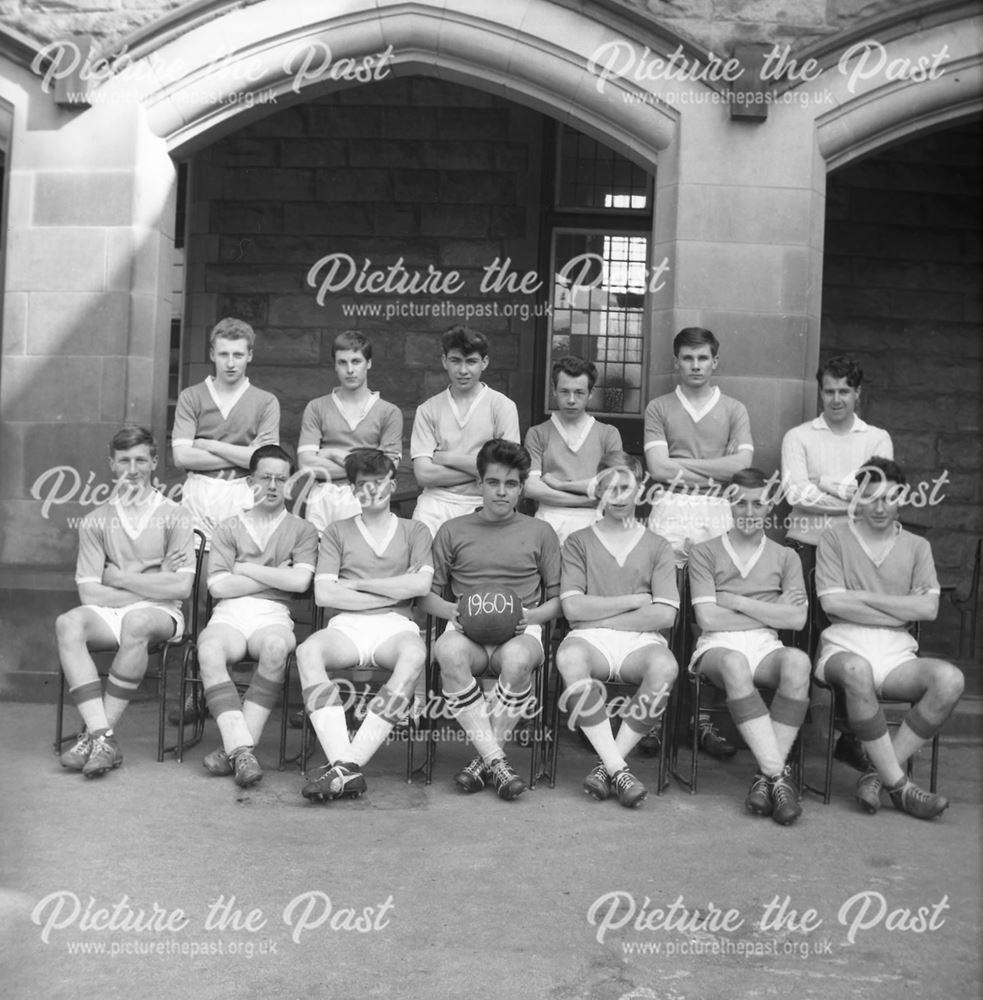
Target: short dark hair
351,340
465,340
498,451
694,336
574,367
620,460
232,329
131,436
879,469
368,462
749,479
842,366
270,451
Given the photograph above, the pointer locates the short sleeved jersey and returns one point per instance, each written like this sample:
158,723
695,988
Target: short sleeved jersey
323,425
440,425
553,451
522,552
721,428
134,540
770,571
199,414
590,568
844,562
292,540
349,551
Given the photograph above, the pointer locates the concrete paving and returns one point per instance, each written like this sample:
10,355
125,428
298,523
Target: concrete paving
159,881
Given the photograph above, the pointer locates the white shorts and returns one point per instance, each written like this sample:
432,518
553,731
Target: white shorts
566,520
434,507
113,617
367,632
885,649
616,646
210,500
247,615
754,643
330,502
533,631
683,520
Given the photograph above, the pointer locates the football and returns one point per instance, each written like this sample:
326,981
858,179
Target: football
489,615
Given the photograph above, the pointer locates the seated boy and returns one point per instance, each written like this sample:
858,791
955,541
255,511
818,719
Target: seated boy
873,580
618,588
369,570
744,586
260,559
494,547
135,565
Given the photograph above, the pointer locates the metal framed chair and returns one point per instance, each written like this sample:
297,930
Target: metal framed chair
192,693
696,684
537,742
159,650
414,724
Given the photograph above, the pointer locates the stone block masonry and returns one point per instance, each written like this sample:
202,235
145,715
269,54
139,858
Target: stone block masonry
901,294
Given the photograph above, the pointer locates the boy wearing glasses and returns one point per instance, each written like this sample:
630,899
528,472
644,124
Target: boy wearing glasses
370,568
260,559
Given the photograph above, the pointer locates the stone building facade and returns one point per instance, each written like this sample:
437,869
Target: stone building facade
798,177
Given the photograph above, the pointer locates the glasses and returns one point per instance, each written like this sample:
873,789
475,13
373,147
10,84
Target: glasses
269,480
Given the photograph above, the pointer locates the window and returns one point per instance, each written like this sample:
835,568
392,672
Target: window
600,231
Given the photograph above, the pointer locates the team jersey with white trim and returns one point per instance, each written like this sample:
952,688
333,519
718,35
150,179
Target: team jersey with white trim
551,453
521,552
238,539
590,568
812,451
197,415
720,428
134,540
716,567
350,552
323,425
844,562
440,425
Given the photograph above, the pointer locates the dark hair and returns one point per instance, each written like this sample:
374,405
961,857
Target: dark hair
351,340
878,469
694,336
498,451
749,479
842,366
269,451
620,460
464,340
368,462
574,367
232,329
130,436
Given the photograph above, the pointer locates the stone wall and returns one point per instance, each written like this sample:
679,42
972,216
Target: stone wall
902,294
715,24
415,170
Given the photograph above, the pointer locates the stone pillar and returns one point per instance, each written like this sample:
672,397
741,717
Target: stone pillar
85,345
739,214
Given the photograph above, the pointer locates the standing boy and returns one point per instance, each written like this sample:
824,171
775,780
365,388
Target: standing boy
566,451
450,427
350,416
218,424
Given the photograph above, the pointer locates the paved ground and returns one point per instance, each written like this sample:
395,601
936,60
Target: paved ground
418,892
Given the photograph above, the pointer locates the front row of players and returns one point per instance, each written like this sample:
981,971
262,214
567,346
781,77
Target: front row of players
615,583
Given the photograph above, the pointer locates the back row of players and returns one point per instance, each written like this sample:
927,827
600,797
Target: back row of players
615,581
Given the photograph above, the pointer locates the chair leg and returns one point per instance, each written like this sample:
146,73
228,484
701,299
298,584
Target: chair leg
934,776
555,727
162,704
60,712
285,712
